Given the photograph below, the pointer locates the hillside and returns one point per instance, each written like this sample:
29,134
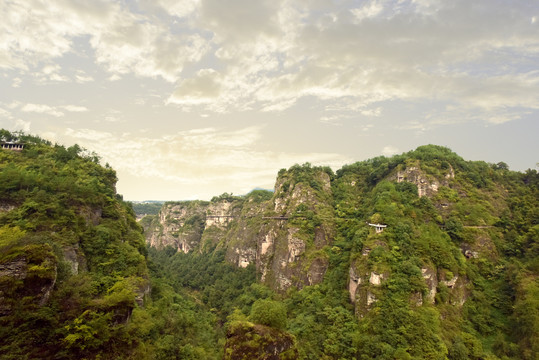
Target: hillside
74,278
422,255
452,274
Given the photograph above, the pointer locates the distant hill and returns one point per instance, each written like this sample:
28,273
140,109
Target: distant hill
143,208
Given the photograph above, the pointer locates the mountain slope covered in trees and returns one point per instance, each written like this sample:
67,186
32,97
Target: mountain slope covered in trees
452,275
297,273
74,278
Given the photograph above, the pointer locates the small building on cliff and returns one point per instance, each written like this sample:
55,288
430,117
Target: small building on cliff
12,146
379,227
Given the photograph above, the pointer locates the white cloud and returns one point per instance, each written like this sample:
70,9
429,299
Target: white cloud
16,82
88,134
56,111
372,112
267,55
114,77
207,161
124,42
180,9
81,77
368,10
75,108
22,125
389,150
202,89
42,109
5,114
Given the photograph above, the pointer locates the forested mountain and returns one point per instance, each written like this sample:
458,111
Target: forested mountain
74,279
450,272
418,256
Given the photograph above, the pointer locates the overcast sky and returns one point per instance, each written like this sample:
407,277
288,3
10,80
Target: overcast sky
189,99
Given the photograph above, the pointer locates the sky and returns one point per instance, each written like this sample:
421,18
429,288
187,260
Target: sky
190,99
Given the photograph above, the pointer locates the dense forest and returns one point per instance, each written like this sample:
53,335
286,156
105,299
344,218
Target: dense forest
297,273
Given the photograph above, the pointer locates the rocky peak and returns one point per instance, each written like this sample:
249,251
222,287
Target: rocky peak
279,233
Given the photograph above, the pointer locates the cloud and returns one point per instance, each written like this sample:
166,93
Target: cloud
389,150
56,111
243,55
240,20
205,161
42,109
75,108
5,114
359,58
81,77
16,82
368,10
202,89
22,125
124,42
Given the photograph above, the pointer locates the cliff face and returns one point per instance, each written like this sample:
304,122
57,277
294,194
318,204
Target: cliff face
369,271
291,252
283,234
179,225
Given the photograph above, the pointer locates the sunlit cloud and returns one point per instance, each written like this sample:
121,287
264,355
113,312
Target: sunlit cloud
42,109
282,51
75,108
22,125
389,150
56,111
218,159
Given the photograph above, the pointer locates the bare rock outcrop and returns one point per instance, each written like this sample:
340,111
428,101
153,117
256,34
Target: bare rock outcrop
427,185
21,279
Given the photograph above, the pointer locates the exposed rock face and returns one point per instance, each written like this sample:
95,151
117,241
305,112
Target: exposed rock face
457,286
19,279
363,283
76,260
4,207
282,236
92,216
179,225
426,185
10,272
353,283
284,248
142,291
15,269
432,283
249,341
481,244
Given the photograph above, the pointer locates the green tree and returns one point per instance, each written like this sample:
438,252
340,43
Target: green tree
270,313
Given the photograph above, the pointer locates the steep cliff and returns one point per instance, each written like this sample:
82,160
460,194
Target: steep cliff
286,234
